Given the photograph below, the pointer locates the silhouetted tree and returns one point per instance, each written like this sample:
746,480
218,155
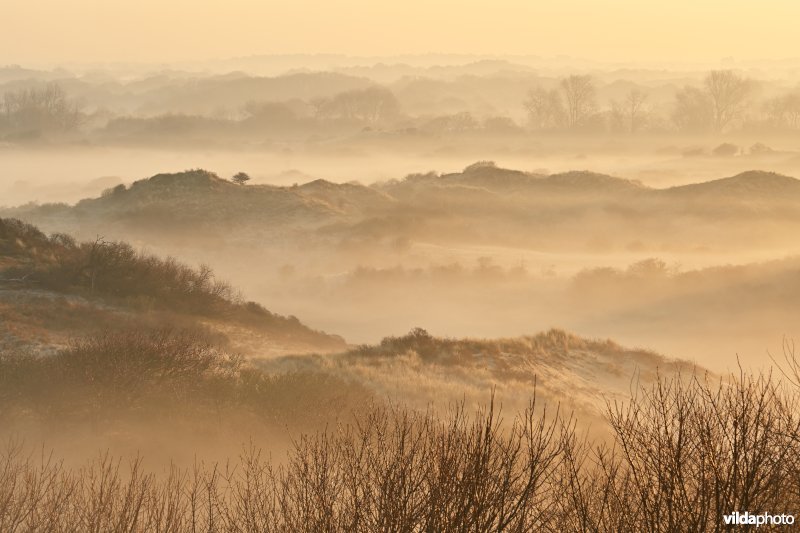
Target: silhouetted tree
545,109
784,111
693,110
580,99
39,111
240,178
716,106
629,114
729,92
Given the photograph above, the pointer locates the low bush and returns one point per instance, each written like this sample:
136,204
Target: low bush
159,374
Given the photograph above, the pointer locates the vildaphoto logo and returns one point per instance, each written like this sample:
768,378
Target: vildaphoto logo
763,519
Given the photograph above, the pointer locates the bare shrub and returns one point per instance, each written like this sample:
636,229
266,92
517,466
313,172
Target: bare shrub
395,471
688,451
682,454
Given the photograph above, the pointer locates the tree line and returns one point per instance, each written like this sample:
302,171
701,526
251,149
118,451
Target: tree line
725,100
31,113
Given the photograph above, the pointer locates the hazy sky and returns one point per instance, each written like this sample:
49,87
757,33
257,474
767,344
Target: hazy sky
51,31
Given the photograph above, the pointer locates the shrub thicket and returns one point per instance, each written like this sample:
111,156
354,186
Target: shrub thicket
117,272
158,374
682,454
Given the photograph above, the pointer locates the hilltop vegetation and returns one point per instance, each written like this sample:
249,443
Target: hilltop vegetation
114,273
577,211
156,378
419,369
198,205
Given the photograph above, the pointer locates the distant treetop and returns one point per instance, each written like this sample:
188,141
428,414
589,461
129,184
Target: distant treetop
240,178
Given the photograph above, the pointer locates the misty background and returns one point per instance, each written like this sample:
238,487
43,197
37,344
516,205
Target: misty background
613,252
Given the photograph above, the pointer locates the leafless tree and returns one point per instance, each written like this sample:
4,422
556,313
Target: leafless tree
729,92
579,97
696,450
630,113
784,111
717,106
43,110
693,110
545,109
